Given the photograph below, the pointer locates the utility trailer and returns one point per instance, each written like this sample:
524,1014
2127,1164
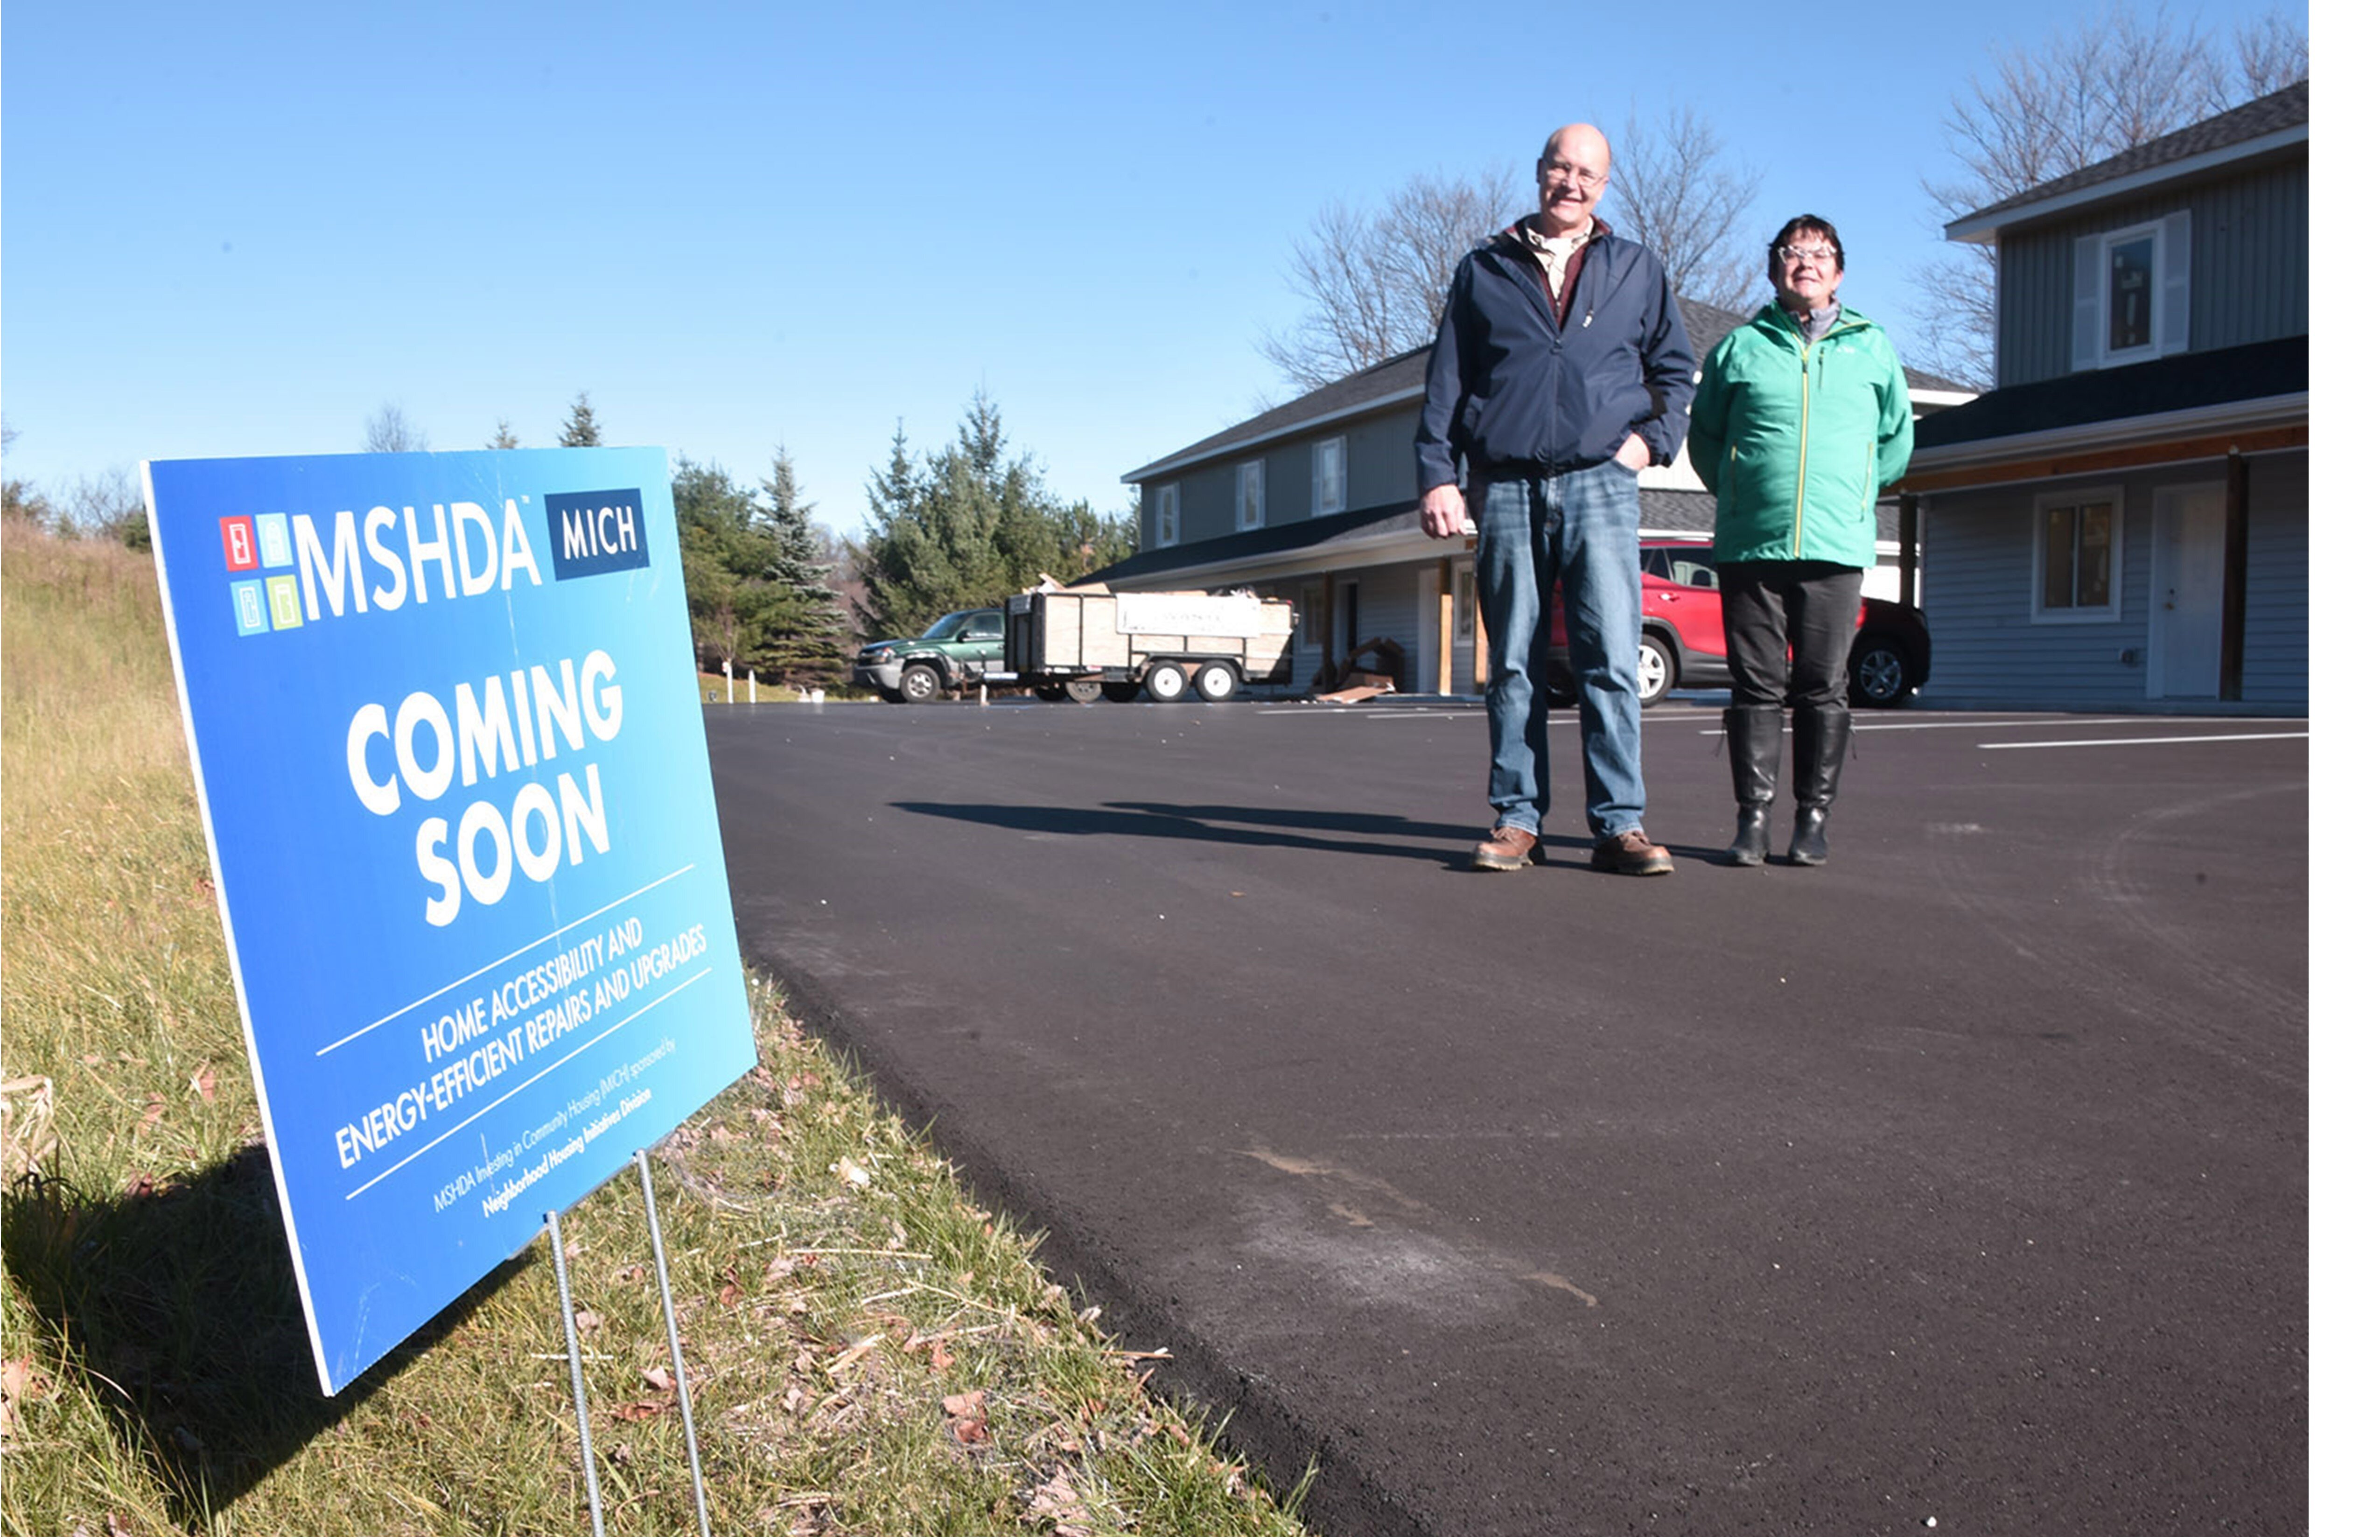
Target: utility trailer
1087,644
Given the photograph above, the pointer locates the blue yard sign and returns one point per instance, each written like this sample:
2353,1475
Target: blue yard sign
442,710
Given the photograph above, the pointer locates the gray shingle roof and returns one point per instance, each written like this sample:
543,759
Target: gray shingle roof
1394,378
2286,108
2186,381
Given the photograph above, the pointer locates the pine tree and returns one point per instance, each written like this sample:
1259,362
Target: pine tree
732,604
579,430
805,647
505,438
976,526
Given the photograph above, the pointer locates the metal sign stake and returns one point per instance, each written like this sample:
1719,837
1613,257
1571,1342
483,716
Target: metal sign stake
577,1377
678,1359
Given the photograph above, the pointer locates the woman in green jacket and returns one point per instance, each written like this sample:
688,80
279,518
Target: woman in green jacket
1801,419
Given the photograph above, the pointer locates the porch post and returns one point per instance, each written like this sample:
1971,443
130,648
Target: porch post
1329,630
1909,525
2235,575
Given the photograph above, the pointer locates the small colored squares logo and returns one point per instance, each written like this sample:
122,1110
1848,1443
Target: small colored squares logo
273,546
281,597
269,603
247,607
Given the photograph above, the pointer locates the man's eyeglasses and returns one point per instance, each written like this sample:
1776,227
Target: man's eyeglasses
1562,171
1821,255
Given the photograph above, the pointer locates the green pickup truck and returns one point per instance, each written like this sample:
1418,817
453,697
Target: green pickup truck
962,648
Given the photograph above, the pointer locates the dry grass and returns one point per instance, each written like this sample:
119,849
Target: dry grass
868,1352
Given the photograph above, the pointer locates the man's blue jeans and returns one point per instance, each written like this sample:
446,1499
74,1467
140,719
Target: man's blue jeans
1578,528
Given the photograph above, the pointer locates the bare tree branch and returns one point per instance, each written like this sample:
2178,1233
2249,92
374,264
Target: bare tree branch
2270,54
1374,284
390,431
2116,78
1673,189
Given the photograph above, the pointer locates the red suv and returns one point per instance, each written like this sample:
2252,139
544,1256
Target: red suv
1685,644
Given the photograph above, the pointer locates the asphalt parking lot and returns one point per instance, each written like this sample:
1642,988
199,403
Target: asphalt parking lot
1957,1186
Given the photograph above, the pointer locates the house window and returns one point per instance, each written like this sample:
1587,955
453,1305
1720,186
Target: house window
1466,604
1166,525
1252,490
1309,615
1329,477
2131,294
2079,560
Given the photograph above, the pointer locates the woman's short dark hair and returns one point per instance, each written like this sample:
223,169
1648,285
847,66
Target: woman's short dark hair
1797,224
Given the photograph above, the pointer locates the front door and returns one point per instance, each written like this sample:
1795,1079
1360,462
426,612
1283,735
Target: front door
2186,594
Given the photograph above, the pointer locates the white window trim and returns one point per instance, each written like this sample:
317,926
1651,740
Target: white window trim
1333,505
2113,610
2169,289
1250,513
1165,524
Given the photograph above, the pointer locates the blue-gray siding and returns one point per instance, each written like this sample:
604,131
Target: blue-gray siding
1989,650
1379,471
2248,269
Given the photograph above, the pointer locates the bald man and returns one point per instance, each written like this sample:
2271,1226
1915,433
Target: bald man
1561,369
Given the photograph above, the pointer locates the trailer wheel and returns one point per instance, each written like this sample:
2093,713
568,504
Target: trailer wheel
1166,682
1081,692
1215,681
1121,691
1050,694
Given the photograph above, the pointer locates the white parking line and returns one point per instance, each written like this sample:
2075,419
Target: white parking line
2115,743
1870,724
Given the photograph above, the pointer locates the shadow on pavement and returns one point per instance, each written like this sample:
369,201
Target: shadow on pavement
1348,833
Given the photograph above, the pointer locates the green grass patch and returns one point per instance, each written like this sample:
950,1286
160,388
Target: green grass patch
868,1351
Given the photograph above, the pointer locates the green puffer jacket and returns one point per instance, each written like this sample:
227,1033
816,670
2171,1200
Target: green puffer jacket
1797,439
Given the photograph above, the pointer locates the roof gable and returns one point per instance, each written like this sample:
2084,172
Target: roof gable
2267,123
1393,381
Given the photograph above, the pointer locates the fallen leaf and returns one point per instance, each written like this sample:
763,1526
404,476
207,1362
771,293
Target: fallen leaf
1056,1500
620,1455
970,1430
638,1412
204,1082
588,1320
967,1405
658,1378
730,1294
19,1384
794,1399
782,1266
943,1358
153,1111
851,1172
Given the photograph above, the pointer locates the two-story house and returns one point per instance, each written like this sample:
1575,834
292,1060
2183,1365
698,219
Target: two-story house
2121,521
1314,502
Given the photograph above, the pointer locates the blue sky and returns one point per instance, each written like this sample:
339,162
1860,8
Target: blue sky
239,229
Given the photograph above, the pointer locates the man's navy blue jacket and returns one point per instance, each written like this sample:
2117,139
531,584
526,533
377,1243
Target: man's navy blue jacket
1516,395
